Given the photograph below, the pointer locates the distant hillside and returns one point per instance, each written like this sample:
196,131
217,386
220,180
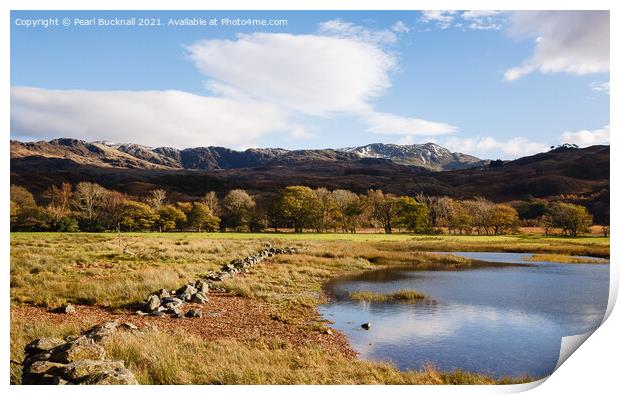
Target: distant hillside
572,174
133,156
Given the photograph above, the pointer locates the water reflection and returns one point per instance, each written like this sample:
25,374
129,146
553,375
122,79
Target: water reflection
498,320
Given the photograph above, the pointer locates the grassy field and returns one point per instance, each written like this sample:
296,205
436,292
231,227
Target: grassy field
112,272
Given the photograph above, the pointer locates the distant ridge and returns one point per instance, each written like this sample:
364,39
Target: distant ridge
106,154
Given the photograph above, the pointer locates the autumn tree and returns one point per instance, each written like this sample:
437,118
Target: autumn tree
349,208
459,218
383,208
212,201
136,216
88,200
25,213
481,211
59,207
299,206
324,210
503,219
201,218
237,208
573,219
156,198
169,218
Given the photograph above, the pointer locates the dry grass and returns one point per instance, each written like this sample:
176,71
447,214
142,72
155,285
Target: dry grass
559,258
49,269
404,295
158,358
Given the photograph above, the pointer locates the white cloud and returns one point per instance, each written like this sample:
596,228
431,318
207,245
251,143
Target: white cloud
586,138
574,42
257,84
443,19
312,74
385,123
157,118
342,29
600,86
481,146
483,19
400,27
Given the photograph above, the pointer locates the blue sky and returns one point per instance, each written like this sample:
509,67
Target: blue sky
497,85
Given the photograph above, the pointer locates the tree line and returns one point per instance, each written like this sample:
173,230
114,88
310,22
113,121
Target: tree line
91,207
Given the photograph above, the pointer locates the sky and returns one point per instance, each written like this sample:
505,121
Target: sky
487,83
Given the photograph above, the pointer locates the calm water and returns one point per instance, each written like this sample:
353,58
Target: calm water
496,320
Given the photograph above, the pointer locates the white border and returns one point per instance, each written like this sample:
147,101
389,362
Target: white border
594,367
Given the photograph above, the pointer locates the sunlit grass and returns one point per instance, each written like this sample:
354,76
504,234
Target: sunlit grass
405,295
559,258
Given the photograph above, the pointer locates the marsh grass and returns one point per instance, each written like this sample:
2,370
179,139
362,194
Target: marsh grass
49,269
162,358
559,258
404,296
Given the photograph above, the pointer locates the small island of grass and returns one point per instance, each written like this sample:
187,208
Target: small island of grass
403,296
560,258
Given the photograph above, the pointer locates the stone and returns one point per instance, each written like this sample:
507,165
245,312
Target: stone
112,377
172,303
65,309
157,313
128,326
186,292
200,297
366,325
100,332
82,348
202,286
42,356
178,313
152,303
163,293
78,370
43,367
141,313
194,313
43,344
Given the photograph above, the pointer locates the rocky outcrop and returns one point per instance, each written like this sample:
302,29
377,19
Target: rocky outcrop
76,359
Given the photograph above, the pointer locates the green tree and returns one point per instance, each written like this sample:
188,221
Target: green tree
412,215
573,219
299,206
169,218
202,218
136,216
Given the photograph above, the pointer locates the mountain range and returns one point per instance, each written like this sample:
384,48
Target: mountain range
579,175
104,154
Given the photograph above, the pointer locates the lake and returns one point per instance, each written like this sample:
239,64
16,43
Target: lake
505,320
